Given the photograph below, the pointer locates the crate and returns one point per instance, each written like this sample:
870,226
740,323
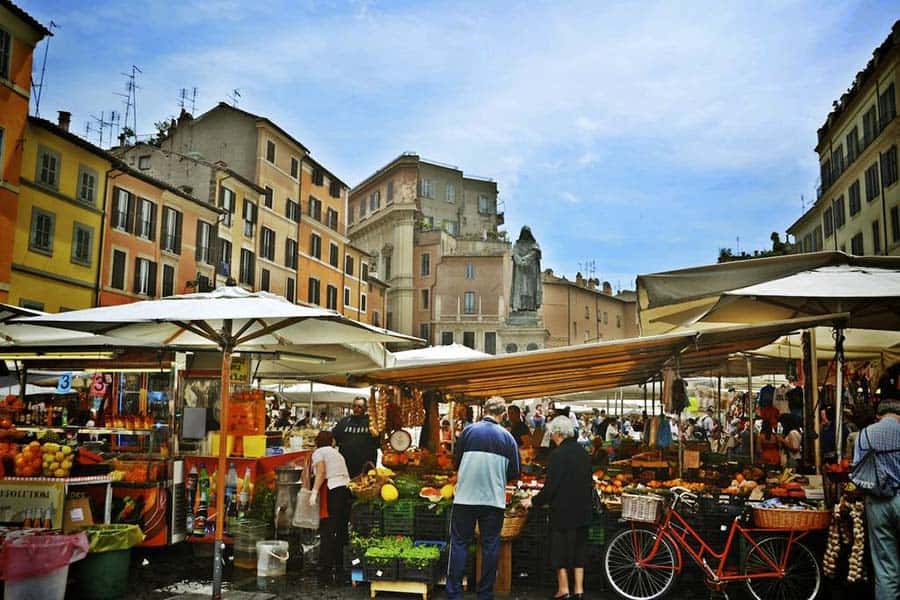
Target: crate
381,571
407,572
640,508
431,522
596,535
365,519
398,518
354,558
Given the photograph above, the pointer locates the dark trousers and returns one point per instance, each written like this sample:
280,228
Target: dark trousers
333,530
462,531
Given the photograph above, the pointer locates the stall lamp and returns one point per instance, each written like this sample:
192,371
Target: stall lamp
103,355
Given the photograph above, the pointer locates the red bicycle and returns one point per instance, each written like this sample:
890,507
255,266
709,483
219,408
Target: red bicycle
642,562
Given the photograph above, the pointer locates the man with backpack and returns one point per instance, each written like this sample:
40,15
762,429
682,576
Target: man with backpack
876,471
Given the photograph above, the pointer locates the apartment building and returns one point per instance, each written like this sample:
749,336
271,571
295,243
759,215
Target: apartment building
19,34
395,209
857,207
585,311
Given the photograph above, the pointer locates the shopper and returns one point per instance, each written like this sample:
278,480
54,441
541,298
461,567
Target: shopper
792,440
486,457
828,444
881,484
768,445
517,426
567,490
357,444
538,420
331,492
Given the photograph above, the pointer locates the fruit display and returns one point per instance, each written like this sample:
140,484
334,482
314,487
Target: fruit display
431,494
8,450
671,483
57,460
29,462
389,493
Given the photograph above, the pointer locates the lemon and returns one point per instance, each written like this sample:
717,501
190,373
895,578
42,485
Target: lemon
66,450
447,491
389,493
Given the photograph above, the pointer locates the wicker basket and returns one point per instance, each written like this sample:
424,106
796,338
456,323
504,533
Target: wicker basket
640,508
512,525
780,518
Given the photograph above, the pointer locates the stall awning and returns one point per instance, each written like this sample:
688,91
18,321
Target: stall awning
590,366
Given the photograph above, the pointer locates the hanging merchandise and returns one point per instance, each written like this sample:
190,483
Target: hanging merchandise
857,571
377,411
680,398
666,392
833,546
664,436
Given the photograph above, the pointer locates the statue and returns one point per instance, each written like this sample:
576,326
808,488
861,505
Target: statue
526,276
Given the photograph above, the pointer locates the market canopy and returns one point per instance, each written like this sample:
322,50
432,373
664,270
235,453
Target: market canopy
313,392
589,366
766,289
433,354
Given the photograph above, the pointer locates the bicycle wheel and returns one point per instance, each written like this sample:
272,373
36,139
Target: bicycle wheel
801,578
630,573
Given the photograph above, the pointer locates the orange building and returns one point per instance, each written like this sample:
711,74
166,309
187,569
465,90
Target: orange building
158,239
19,34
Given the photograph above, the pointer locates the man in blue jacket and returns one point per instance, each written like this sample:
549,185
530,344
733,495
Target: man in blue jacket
486,457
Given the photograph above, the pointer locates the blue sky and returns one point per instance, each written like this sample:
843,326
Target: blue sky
642,136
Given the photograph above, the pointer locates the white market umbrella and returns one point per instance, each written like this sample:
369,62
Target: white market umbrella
434,354
231,319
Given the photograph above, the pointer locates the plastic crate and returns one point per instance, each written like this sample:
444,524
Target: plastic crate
398,518
596,535
381,571
431,522
407,572
365,519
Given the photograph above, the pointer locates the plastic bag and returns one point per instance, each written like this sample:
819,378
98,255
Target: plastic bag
305,516
106,538
37,555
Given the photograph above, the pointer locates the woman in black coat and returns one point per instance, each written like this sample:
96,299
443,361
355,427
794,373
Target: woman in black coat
568,491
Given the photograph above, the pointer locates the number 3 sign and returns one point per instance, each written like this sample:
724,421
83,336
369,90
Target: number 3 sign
98,385
64,384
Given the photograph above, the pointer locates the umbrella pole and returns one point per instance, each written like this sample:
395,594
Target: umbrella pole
219,544
839,393
813,386
750,402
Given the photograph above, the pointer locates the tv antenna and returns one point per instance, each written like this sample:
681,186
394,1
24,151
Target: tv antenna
184,100
235,97
588,268
130,95
39,86
102,124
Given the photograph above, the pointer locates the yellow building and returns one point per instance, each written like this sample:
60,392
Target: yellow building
59,226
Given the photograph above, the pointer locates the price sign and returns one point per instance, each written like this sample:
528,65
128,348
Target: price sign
64,384
98,385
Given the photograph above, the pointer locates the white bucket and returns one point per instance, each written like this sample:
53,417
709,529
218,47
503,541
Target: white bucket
271,558
51,586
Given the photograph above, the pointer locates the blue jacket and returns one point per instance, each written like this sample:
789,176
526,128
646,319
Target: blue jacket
486,456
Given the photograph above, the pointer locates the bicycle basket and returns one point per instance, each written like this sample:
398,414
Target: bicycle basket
640,508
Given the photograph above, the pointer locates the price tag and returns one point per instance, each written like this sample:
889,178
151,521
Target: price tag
98,385
64,384
354,562
379,573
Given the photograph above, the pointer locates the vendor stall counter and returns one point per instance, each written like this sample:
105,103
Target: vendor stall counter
19,495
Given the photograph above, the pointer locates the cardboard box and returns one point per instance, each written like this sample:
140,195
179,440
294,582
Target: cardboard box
77,513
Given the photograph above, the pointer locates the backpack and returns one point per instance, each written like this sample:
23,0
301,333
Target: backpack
865,473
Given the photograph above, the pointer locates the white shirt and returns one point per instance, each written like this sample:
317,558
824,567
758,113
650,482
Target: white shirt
612,432
335,466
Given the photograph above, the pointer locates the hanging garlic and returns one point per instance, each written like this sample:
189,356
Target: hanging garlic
833,547
857,563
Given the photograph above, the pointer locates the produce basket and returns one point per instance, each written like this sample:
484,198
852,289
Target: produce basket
512,525
640,508
781,518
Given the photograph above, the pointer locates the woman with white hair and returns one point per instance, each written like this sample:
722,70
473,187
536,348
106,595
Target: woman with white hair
568,492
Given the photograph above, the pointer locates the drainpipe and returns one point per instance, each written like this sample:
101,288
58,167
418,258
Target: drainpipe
101,253
219,221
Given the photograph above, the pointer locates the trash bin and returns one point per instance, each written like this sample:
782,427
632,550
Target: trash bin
37,566
103,574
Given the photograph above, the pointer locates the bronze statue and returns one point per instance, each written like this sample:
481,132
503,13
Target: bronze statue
526,276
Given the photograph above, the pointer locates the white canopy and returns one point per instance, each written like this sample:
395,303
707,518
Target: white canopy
322,393
433,354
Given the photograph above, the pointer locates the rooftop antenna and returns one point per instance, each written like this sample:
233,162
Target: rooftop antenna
115,118
183,99
194,100
102,124
87,130
802,202
130,96
39,86
235,97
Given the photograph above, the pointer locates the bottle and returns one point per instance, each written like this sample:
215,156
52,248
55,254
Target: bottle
232,515
231,483
28,521
203,481
48,519
190,485
65,417
189,523
244,496
200,514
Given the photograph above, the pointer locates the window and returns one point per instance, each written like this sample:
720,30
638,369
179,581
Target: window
348,264
451,227
446,338
290,293
170,238
428,222
362,208
825,173
34,305
889,167
856,244
426,264
267,244
469,303
362,302
5,53
202,251
365,272
619,321
374,201
587,312
117,279
312,292
249,217
295,167
144,162
425,331
82,237
376,318
872,182
350,215
512,348
490,342
268,197
264,277
292,210
424,299
318,176
144,277
427,188
346,296
484,204
817,239
168,280
223,266
290,253
887,106
450,193
895,224
333,257
315,246
469,339
470,271
48,168
387,268
852,144
42,226
315,208
390,192
839,215
270,151
331,218
334,188
226,202
145,226
806,245
605,318
869,126
247,267
331,297
87,184
837,161
853,194
876,237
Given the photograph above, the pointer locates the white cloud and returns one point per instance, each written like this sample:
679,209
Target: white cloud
570,198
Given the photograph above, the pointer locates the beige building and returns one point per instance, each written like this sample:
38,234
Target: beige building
585,311
857,208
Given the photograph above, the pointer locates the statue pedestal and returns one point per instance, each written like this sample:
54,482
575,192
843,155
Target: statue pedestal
523,330
524,318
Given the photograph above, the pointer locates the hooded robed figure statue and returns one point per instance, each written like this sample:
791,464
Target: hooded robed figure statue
526,276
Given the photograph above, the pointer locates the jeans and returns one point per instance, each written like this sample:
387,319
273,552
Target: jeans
883,518
462,531
333,530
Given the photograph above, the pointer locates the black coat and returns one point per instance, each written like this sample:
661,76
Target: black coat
567,488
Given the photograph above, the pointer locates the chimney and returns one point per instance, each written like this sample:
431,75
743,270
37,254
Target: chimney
579,280
65,117
607,288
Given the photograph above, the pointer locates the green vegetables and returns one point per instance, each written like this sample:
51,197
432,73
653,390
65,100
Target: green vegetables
381,551
420,557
